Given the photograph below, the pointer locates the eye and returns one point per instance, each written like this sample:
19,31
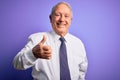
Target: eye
57,14
66,16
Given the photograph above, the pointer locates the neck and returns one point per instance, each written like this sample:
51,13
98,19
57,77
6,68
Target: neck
62,34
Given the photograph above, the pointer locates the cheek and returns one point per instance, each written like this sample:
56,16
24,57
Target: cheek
69,22
54,21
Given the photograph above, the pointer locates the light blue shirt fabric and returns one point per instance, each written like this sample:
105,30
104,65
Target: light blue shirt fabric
44,69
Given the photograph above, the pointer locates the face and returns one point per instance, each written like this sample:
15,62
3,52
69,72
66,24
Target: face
61,19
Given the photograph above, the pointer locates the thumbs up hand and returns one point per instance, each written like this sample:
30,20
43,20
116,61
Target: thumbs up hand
41,50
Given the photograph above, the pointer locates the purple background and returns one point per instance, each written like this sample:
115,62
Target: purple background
95,22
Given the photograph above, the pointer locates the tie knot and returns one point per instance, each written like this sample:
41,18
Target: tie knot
62,39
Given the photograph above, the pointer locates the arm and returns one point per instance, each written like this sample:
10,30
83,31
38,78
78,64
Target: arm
32,51
83,66
25,58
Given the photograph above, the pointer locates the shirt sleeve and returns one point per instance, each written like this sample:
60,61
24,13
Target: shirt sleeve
25,58
84,64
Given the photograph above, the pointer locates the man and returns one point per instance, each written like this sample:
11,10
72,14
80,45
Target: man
54,55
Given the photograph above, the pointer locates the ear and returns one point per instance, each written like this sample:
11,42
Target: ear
50,17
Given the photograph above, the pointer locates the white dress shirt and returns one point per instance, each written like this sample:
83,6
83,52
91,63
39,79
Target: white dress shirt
44,69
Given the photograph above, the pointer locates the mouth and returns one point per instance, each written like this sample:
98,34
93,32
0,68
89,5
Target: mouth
61,24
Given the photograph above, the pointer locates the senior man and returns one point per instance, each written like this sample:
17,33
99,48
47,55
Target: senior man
54,55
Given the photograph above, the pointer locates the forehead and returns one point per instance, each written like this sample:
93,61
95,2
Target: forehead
62,8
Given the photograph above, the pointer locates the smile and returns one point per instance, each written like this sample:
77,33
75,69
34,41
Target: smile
61,24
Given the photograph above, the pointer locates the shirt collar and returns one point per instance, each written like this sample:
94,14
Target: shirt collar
56,36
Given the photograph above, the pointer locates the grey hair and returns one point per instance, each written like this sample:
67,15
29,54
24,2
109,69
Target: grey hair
65,3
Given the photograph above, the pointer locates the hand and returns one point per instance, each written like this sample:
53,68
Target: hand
41,50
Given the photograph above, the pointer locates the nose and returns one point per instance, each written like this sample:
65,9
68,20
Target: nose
62,18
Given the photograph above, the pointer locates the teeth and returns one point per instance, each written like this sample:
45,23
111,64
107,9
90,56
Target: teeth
60,24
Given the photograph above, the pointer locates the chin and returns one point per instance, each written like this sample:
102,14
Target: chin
61,32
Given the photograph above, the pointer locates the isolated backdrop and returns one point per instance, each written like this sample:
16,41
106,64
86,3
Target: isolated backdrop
95,22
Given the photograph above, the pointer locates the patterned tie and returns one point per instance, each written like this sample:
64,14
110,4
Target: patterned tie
64,69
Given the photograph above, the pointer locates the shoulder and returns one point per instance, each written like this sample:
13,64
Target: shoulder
38,34
74,38
36,37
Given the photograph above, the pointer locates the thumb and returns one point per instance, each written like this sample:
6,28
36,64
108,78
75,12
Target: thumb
43,40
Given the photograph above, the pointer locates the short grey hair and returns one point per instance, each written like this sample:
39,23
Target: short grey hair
65,3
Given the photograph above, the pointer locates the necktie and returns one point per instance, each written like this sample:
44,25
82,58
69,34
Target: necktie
64,69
